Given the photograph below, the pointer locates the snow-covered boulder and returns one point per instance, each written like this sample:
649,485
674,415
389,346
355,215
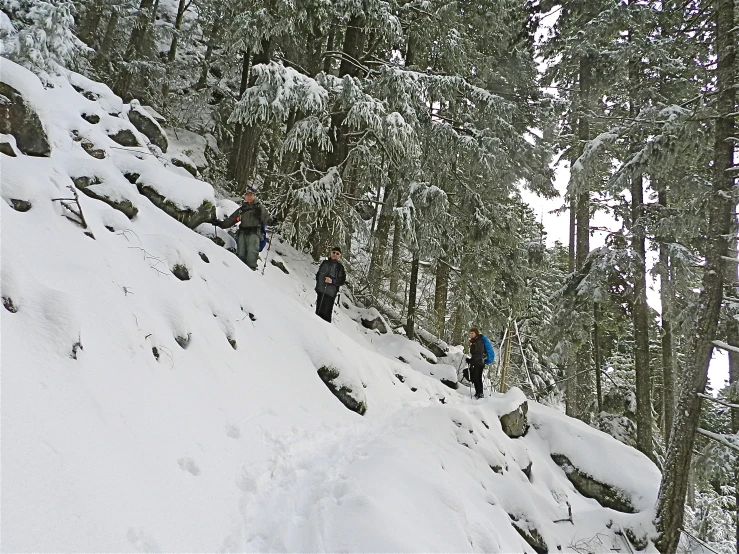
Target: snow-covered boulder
352,398
615,475
91,186
19,110
514,423
147,125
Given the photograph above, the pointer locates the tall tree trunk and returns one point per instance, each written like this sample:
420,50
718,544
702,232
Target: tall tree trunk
238,128
172,54
571,400
670,504
379,246
641,323
247,150
641,308
103,55
665,294
90,23
134,50
732,335
573,234
598,358
441,293
212,40
410,326
395,260
584,378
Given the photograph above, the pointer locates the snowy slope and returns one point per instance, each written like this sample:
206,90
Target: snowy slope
117,437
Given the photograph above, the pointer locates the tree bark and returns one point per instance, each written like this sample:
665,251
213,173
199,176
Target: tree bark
670,504
410,326
668,364
441,293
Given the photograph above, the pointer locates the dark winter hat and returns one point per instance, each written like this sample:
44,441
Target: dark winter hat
250,190
336,249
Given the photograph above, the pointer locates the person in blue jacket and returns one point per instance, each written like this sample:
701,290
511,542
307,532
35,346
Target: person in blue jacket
476,360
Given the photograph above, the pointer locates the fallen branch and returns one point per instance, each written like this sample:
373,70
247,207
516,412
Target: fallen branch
65,202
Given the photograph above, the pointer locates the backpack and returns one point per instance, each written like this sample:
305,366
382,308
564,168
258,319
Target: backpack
489,352
263,240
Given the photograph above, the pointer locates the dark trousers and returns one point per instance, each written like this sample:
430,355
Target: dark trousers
476,377
325,306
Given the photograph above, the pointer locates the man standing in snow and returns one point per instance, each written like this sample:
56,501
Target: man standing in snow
329,278
252,217
476,359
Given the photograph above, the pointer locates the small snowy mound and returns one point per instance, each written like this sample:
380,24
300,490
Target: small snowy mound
160,396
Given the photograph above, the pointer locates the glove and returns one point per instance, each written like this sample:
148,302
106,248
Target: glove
468,359
215,221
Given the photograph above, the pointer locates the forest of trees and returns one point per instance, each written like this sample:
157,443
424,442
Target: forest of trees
405,130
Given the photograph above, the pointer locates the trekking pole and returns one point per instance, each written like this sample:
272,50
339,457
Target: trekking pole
269,247
323,294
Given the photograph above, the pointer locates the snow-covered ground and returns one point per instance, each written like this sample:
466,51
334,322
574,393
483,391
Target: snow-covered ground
141,412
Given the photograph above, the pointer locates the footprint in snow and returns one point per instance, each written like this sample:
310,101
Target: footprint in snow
142,541
189,465
232,431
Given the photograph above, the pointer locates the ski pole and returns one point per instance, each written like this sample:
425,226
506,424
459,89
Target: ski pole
269,247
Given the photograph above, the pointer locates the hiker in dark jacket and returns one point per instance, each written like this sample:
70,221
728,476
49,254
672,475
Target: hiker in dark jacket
329,278
476,360
251,215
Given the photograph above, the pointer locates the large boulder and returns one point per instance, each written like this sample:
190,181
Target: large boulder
606,495
147,125
331,377
89,187
19,118
514,423
191,218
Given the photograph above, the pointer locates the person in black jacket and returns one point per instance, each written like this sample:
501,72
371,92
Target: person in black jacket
329,278
476,360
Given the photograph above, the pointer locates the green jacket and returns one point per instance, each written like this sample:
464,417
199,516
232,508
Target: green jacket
251,216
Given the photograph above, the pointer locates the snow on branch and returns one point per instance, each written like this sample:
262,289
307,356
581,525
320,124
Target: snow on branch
729,441
279,91
724,346
322,193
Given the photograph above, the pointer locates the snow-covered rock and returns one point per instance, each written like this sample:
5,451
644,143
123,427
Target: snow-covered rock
21,113
147,125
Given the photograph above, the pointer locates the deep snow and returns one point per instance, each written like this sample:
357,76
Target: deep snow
216,448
